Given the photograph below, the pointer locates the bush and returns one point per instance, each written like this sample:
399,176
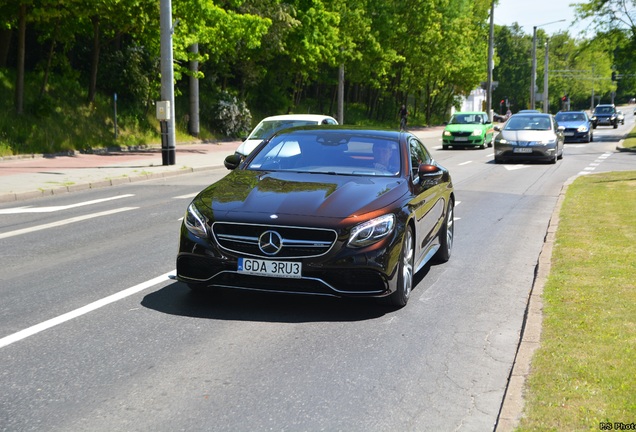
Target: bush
231,117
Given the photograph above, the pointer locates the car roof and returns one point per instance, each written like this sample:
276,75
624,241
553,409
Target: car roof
531,114
469,112
316,117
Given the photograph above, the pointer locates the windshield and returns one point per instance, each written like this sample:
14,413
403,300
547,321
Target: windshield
604,110
568,117
267,128
528,122
329,153
467,119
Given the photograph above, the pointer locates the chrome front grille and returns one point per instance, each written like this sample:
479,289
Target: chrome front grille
273,241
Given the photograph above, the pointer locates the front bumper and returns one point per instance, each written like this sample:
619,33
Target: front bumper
573,135
343,272
535,152
463,141
605,121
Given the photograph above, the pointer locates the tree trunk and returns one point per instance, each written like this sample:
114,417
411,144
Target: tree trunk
5,44
19,84
92,87
47,71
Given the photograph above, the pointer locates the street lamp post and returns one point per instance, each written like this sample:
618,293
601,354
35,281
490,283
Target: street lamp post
533,78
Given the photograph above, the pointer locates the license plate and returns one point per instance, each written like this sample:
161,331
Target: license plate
461,139
522,150
259,267
569,134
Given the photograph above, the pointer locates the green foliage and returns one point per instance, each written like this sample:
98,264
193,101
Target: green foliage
60,121
279,56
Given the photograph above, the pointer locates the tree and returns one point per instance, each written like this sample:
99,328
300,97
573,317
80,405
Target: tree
513,66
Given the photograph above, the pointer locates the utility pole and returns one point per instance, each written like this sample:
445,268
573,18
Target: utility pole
193,123
491,49
546,101
168,135
533,76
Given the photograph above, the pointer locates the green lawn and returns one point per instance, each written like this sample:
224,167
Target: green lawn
584,373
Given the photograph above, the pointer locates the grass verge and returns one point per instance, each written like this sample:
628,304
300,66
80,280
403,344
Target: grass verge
584,374
630,140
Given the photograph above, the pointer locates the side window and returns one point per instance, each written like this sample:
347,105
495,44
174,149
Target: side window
419,155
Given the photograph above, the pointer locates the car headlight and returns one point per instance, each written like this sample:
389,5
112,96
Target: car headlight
546,141
195,222
372,231
501,141
476,132
447,133
582,128
593,118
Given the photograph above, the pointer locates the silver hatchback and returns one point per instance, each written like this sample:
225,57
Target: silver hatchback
529,136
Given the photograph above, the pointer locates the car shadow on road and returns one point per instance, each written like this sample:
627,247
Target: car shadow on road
238,305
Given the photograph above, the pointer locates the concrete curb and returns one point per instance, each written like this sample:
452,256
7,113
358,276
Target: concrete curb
512,407
11,197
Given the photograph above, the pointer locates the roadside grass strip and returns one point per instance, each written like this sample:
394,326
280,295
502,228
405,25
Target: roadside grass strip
583,376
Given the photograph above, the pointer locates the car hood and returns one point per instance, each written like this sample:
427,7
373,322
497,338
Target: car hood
527,135
466,127
573,124
253,196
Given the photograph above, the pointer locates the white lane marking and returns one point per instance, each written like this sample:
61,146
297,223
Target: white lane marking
29,209
515,167
192,195
465,163
592,166
23,334
64,222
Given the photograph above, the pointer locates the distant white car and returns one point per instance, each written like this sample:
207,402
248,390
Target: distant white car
270,125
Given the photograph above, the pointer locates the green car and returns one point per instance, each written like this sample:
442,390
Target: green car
468,129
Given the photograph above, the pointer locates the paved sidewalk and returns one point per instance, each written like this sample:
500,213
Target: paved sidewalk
24,178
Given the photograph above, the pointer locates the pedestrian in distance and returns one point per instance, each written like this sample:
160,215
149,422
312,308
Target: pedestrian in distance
403,113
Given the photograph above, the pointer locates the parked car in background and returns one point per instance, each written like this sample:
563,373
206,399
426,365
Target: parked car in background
468,129
577,124
329,211
270,125
604,115
620,116
529,136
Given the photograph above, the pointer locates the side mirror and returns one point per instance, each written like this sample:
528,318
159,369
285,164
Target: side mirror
429,175
561,128
232,162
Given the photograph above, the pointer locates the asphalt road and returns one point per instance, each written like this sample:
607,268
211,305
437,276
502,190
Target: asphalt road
94,335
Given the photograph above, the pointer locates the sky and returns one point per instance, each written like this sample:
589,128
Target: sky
530,13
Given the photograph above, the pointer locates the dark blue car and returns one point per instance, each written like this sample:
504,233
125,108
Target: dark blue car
578,126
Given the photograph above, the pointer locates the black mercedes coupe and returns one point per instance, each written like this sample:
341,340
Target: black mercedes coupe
334,211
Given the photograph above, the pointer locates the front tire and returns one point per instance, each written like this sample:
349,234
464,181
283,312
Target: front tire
405,272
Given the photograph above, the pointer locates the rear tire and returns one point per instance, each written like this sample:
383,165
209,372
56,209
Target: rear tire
446,234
